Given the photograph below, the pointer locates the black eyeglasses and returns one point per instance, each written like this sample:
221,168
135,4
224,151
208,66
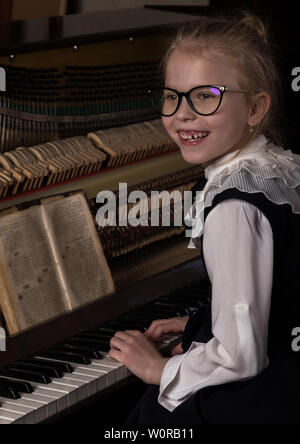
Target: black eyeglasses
204,100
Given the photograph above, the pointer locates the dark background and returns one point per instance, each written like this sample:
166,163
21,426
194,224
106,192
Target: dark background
284,21
283,18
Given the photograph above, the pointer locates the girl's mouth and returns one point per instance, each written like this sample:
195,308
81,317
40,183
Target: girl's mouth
192,138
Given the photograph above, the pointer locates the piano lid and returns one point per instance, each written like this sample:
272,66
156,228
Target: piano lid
32,35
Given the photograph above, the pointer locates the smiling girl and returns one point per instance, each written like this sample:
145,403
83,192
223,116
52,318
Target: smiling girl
235,364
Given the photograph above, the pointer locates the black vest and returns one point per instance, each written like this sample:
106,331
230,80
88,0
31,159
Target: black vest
285,302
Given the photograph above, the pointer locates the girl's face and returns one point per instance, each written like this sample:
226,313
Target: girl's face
226,128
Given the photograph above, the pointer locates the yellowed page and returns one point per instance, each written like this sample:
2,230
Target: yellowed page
30,270
77,244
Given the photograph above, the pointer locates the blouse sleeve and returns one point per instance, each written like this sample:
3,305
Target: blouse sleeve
238,252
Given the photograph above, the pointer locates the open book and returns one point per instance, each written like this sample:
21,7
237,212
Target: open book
51,261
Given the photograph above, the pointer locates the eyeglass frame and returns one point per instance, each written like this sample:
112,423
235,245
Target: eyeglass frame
223,89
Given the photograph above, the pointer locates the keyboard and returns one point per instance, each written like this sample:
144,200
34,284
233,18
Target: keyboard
62,376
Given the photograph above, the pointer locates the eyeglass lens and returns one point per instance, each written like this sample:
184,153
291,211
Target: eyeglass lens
205,100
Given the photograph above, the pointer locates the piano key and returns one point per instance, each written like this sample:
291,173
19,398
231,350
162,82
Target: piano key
99,378
28,413
65,367
47,371
39,409
78,347
157,312
93,344
118,366
4,421
95,335
50,405
104,329
8,392
22,387
25,375
129,325
63,356
77,389
106,374
90,381
13,416
60,396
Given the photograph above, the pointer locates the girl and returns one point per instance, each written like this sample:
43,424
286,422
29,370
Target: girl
236,363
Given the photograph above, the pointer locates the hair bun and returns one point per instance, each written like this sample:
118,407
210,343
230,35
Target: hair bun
254,22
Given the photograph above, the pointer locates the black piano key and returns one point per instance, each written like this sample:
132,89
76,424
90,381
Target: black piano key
25,375
89,344
152,313
49,371
157,310
22,387
180,307
104,329
89,334
128,325
89,352
64,367
145,318
187,302
64,356
8,392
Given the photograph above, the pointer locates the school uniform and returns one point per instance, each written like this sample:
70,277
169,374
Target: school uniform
238,365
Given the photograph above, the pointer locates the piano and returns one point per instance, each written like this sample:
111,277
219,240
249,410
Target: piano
61,369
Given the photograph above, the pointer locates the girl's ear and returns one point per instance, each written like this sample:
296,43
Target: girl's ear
260,105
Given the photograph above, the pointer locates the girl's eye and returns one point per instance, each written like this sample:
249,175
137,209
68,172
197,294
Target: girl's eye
204,96
171,97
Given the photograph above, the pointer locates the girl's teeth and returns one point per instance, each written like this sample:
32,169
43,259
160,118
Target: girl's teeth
193,136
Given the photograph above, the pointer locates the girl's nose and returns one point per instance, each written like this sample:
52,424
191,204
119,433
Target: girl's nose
185,112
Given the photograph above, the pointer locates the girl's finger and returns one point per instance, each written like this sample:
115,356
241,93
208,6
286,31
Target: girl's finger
177,350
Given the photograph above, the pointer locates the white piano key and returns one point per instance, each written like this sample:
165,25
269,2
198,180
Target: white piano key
111,372
48,406
60,398
100,377
40,410
118,366
27,413
62,402
13,416
5,421
62,392
79,387
90,380
39,413
104,372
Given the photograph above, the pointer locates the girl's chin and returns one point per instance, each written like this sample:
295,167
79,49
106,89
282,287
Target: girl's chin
195,158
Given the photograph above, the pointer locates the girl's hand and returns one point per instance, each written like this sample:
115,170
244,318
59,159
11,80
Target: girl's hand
161,327
139,354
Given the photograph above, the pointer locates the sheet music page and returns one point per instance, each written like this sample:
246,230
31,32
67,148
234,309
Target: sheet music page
30,268
79,247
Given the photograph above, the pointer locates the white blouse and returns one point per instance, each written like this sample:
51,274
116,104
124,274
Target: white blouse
238,252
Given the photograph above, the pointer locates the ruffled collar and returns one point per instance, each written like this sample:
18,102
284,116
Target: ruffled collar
249,170
250,151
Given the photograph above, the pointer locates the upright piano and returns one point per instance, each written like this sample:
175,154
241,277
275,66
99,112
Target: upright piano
75,87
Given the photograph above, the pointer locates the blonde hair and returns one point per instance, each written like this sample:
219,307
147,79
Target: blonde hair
244,38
